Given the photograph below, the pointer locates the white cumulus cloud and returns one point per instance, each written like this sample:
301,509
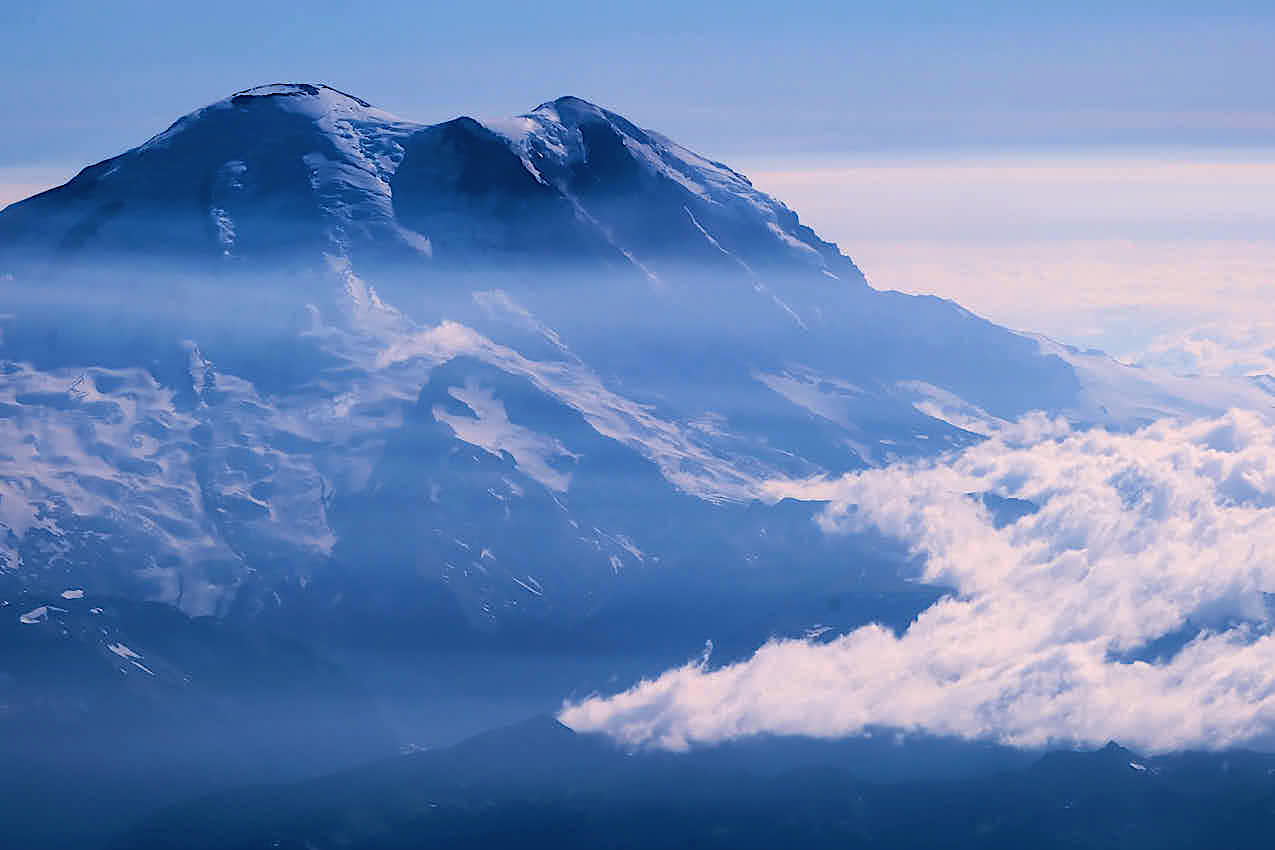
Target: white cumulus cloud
1219,348
1169,530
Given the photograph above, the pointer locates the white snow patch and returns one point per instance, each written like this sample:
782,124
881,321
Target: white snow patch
527,586
491,430
122,651
225,228
627,545
39,615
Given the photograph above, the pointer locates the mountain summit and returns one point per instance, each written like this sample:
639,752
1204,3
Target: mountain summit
283,171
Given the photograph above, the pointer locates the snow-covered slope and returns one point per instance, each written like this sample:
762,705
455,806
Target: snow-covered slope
1118,395
265,174
295,345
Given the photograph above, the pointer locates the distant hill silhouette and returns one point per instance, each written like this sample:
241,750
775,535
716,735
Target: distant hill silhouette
537,784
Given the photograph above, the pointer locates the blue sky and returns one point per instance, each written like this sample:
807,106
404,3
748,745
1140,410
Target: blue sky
87,79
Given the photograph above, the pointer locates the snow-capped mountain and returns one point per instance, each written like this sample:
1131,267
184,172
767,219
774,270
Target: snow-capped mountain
311,167
292,318
309,409
300,364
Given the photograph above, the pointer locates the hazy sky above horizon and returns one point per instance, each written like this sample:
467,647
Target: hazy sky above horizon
91,79
1101,172
1131,252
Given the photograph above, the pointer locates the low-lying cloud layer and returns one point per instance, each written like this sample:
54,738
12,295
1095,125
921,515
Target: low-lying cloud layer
1219,348
1130,606
1108,251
